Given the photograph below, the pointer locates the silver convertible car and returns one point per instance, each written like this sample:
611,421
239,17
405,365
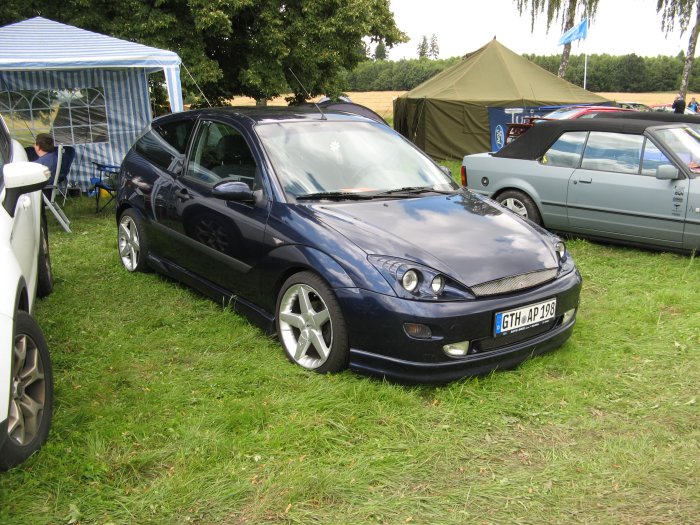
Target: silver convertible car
627,181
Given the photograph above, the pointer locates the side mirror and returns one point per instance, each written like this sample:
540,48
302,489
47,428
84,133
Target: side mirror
233,191
21,178
667,172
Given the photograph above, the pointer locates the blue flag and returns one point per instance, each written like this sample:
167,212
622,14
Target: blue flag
578,32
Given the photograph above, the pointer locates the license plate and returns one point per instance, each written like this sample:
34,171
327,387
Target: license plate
529,316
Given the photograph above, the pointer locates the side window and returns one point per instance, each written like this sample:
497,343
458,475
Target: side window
177,133
617,152
165,145
566,151
220,153
653,158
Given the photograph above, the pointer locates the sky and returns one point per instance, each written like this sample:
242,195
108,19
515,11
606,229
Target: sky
621,27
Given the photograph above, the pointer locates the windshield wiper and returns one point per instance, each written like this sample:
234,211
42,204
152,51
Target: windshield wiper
412,190
334,195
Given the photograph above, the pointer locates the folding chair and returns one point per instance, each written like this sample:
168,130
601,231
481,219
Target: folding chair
65,155
104,184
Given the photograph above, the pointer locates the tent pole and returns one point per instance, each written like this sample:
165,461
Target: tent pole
585,69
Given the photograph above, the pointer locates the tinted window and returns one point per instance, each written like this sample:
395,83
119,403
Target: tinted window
176,134
618,152
566,151
159,151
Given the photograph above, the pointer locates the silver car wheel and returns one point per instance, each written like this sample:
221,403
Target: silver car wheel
129,243
27,391
516,206
305,326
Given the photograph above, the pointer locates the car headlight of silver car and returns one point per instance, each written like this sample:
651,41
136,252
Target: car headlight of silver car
412,280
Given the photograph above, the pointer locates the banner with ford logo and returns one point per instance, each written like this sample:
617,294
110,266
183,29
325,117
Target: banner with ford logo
499,118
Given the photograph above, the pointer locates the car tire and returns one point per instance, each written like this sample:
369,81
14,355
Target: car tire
131,242
31,393
44,272
310,324
520,203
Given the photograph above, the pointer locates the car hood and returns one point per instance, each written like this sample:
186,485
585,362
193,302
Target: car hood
465,236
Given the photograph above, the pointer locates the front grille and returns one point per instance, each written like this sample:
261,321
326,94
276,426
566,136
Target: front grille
514,283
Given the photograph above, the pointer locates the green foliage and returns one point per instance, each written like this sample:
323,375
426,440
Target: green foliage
380,51
423,48
172,410
434,51
238,47
401,75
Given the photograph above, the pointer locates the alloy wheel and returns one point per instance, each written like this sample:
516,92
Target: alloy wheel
28,391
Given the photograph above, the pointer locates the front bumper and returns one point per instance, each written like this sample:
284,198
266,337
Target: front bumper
380,345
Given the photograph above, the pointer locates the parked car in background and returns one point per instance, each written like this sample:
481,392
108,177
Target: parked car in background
636,106
340,236
26,382
516,129
570,112
622,180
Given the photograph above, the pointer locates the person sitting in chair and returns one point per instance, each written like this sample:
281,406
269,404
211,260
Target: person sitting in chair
46,154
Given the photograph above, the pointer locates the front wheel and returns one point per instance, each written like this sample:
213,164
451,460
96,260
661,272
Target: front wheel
131,241
520,203
31,393
310,324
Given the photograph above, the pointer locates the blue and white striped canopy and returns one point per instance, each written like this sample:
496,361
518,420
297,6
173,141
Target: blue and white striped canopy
40,54
39,43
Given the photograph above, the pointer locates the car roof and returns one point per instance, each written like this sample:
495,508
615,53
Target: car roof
257,115
535,142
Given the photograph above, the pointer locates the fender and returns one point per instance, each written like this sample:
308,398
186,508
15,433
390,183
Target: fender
336,275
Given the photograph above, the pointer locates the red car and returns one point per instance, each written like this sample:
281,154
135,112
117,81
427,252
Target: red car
568,112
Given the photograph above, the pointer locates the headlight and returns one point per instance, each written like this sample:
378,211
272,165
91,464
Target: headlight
411,280
560,248
437,284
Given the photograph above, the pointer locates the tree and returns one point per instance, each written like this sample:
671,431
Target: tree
680,12
237,47
434,50
380,51
423,48
565,10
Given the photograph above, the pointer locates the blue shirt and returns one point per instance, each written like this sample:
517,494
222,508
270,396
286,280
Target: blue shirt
49,160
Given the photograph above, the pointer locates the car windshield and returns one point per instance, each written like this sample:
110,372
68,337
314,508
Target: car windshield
335,159
684,142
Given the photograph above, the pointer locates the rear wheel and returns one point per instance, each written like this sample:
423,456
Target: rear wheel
520,203
44,271
31,393
310,324
131,241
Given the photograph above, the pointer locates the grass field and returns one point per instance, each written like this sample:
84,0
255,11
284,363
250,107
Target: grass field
170,409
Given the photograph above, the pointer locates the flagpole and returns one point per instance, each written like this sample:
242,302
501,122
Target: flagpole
585,64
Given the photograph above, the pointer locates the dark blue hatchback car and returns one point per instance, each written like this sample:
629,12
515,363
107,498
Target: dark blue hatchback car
335,233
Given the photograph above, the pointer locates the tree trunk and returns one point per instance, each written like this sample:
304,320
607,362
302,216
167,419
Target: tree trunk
261,102
690,56
570,18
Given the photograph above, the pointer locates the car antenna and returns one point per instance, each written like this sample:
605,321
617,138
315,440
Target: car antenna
323,115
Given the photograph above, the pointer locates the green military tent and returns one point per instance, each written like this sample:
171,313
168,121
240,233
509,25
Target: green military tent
453,113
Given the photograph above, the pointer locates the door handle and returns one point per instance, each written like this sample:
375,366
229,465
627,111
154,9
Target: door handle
183,194
586,180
